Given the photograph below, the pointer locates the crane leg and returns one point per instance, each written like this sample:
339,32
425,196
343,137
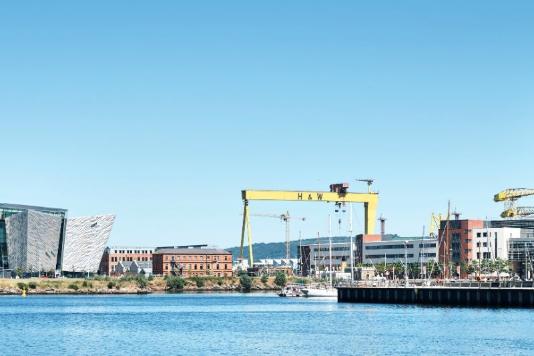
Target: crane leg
249,235
245,220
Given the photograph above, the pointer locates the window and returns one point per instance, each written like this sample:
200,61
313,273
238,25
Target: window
217,266
485,244
485,234
478,234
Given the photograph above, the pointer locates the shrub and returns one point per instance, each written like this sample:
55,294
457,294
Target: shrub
246,283
32,285
111,284
264,279
174,283
141,281
22,286
73,286
220,281
150,278
280,279
199,281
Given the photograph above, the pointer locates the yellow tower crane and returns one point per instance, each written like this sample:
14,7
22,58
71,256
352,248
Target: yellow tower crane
338,194
513,194
509,196
518,211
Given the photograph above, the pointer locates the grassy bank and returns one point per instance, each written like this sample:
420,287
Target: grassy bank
130,285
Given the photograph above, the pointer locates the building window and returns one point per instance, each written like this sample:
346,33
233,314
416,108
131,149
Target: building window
478,234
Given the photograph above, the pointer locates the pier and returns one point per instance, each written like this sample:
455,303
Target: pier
459,296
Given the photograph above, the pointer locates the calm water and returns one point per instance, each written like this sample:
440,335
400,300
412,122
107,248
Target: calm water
252,324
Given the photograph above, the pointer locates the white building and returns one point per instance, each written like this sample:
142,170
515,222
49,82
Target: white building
492,243
399,250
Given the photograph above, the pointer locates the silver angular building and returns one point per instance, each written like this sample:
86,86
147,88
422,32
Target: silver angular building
33,240
38,239
85,241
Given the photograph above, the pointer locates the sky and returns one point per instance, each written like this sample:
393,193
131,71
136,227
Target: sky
162,112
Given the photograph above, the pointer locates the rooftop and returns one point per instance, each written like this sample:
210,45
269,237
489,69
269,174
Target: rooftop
191,251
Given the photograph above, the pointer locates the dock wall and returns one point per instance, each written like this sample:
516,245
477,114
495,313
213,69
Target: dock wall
495,297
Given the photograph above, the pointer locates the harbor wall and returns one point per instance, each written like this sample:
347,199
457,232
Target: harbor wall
485,297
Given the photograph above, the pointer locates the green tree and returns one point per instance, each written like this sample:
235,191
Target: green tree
264,278
280,279
246,283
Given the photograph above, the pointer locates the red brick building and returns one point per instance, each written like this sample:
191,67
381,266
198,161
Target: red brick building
113,255
456,240
189,262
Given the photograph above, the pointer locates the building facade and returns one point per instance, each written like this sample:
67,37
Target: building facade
316,257
493,243
85,241
25,234
115,254
39,239
400,250
190,262
456,240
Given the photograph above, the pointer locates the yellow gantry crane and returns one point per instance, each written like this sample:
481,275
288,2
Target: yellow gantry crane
509,196
338,194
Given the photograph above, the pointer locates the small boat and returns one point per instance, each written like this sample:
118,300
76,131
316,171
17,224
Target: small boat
320,291
291,290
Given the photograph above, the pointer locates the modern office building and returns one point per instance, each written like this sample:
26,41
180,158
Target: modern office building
190,262
316,257
410,250
492,243
40,239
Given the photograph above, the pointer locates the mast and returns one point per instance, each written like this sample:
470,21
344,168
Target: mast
351,249
330,248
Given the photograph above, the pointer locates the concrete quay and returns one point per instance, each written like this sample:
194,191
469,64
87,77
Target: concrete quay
459,296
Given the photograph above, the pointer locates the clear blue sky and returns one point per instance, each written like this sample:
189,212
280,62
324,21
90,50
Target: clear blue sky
161,112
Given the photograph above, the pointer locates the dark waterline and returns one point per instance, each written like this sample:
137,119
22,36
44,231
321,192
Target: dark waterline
230,323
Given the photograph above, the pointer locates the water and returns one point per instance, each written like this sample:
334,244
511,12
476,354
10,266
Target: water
249,324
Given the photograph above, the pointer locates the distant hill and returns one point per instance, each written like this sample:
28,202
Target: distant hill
278,249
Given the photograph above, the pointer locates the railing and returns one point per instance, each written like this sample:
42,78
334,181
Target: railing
434,283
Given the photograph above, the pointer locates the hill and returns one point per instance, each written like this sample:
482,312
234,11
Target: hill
278,249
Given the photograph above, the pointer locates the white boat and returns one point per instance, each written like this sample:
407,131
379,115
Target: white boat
320,291
291,290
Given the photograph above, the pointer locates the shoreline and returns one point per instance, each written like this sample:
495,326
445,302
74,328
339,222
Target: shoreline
125,286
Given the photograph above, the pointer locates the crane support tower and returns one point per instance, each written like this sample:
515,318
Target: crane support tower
338,194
